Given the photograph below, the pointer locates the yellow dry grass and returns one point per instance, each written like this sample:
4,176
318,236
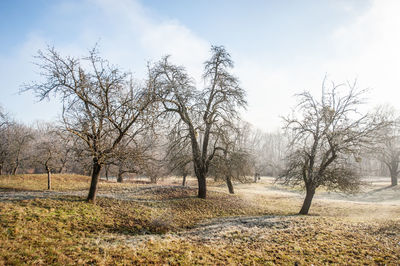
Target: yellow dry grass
147,224
60,182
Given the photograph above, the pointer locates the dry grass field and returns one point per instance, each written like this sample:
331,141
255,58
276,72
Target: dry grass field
167,224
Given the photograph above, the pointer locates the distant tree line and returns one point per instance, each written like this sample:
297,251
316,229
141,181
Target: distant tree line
155,153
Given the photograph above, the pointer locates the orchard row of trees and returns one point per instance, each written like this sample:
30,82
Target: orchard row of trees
170,122
106,111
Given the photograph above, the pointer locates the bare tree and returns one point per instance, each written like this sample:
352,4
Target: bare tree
69,144
388,148
17,138
198,111
134,155
101,104
3,150
4,118
15,145
5,122
48,150
326,136
127,161
232,159
178,157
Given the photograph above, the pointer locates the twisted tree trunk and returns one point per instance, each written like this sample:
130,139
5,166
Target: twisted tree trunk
310,192
94,181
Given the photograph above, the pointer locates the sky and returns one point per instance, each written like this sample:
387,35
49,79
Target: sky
280,48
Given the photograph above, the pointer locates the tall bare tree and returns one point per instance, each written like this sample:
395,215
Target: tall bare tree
101,104
326,136
199,110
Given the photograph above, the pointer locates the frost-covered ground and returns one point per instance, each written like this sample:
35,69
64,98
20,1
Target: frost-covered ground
167,224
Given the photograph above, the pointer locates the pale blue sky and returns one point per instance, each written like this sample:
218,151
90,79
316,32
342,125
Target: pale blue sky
280,47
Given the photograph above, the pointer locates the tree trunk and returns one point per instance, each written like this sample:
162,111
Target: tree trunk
256,177
202,193
14,170
48,178
394,179
1,169
62,168
200,168
393,168
107,169
120,178
184,180
94,181
229,184
307,201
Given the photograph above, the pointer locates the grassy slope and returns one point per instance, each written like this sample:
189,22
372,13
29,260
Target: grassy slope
67,230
